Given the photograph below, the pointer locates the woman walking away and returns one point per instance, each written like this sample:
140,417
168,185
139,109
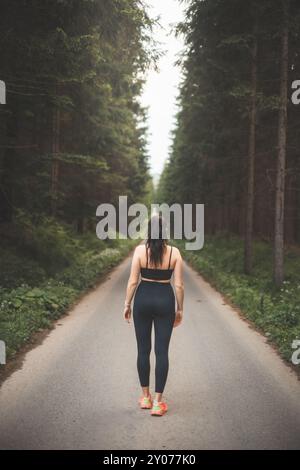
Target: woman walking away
154,303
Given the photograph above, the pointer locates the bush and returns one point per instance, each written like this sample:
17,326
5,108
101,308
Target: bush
17,269
44,269
275,311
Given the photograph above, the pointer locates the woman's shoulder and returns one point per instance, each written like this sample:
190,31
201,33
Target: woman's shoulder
175,251
139,248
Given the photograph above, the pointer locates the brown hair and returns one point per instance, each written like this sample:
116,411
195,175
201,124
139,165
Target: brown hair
157,239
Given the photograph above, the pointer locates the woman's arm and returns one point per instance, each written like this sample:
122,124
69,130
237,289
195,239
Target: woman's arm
132,283
179,287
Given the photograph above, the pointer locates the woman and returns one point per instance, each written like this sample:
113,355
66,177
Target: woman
154,302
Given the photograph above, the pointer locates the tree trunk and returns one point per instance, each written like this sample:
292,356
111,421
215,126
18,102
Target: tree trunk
248,254
55,151
281,160
7,167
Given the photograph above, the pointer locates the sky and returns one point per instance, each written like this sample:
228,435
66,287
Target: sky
161,88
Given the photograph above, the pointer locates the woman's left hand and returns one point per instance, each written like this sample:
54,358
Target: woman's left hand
127,313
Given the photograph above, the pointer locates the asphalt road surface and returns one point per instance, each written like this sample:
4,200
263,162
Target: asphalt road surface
227,388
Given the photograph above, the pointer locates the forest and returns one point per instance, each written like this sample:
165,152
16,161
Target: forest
73,134
235,149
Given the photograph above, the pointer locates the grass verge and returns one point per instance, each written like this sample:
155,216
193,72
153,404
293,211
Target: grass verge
276,312
44,272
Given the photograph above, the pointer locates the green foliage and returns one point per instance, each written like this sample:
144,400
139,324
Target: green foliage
24,310
73,136
74,84
30,296
275,312
49,242
17,269
210,145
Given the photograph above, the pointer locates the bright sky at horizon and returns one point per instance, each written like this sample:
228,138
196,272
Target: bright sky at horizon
161,88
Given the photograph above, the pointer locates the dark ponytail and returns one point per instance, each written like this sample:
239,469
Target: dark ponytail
158,243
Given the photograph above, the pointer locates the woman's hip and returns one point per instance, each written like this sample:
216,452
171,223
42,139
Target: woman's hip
155,297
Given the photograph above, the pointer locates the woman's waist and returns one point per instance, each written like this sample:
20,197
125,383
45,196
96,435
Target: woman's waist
153,289
155,281
155,286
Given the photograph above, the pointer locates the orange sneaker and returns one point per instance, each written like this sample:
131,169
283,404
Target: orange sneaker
146,402
159,408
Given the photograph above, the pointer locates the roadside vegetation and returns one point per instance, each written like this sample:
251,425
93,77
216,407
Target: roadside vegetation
276,312
44,269
73,135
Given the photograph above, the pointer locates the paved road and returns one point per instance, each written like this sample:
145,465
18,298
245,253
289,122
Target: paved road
227,388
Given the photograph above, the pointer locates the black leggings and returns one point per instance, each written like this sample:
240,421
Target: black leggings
154,302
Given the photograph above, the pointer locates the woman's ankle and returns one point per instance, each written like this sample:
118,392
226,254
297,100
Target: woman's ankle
146,392
158,398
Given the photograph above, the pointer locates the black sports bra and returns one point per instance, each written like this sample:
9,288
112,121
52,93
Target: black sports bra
157,274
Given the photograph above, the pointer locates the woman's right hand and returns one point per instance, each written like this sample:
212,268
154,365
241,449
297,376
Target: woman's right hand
178,318
127,313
